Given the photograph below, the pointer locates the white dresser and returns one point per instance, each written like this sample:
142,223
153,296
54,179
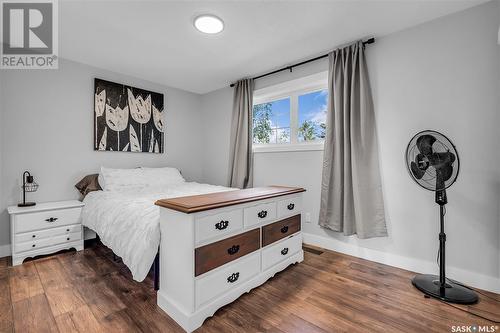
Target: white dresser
45,228
216,247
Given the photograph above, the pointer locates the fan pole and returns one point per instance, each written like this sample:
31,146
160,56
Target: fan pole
442,242
441,200
438,286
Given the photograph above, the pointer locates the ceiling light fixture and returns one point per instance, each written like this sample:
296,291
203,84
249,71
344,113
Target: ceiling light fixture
209,24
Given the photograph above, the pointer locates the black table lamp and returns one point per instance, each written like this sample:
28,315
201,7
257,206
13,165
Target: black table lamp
29,185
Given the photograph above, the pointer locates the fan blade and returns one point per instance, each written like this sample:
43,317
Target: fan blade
443,163
424,144
416,171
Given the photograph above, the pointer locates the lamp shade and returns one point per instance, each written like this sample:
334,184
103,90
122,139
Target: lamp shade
29,185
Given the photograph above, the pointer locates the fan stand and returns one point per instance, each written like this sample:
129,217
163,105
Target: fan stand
437,286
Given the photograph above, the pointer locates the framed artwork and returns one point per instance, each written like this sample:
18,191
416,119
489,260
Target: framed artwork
127,118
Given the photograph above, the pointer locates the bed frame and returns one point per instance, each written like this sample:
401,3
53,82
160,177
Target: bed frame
155,267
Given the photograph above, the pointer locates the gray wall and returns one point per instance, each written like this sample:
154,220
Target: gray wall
4,232
216,117
47,118
442,75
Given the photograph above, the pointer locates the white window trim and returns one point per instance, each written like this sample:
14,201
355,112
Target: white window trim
287,147
291,89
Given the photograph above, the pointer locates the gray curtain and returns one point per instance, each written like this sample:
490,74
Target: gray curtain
351,191
240,154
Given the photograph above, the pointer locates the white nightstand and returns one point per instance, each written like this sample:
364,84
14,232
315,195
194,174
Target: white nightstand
45,228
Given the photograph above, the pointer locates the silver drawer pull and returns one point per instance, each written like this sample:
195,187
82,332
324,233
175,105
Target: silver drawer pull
51,219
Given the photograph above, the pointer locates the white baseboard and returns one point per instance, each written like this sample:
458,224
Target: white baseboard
485,282
4,250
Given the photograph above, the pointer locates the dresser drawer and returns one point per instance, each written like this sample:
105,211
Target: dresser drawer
217,254
47,233
280,251
49,219
260,213
219,224
219,282
281,229
41,243
290,206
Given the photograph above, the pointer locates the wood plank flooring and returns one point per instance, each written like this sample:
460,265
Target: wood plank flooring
87,292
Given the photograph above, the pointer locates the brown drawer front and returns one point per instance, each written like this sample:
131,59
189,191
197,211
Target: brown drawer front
217,254
281,229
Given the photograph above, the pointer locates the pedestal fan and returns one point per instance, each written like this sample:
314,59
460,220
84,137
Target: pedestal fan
433,163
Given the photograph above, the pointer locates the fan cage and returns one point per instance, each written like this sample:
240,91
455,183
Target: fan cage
447,145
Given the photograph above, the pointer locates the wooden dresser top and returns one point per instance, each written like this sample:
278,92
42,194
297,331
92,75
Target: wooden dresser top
198,203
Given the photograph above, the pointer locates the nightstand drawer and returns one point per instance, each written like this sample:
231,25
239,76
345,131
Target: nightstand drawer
260,213
47,233
47,219
75,236
37,244
219,253
218,224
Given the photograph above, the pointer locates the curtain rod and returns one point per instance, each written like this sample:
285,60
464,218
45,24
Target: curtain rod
368,41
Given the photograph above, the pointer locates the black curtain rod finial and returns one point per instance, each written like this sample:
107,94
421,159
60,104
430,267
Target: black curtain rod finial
369,41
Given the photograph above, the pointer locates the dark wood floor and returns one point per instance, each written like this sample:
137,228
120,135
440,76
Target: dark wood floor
329,292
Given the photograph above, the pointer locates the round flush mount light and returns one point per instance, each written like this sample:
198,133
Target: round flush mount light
209,24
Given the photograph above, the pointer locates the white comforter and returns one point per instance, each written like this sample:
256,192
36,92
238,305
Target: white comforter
128,222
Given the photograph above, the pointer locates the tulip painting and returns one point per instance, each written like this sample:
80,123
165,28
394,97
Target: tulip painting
117,120
140,109
99,106
158,119
127,118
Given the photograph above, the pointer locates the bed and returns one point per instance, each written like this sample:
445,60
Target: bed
125,217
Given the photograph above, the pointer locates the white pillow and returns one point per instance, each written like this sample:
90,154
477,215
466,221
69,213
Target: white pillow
162,176
100,180
121,179
138,178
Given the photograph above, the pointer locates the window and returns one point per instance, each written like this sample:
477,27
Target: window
312,116
271,122
290,117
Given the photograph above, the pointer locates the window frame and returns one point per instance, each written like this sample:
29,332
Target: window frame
291,89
